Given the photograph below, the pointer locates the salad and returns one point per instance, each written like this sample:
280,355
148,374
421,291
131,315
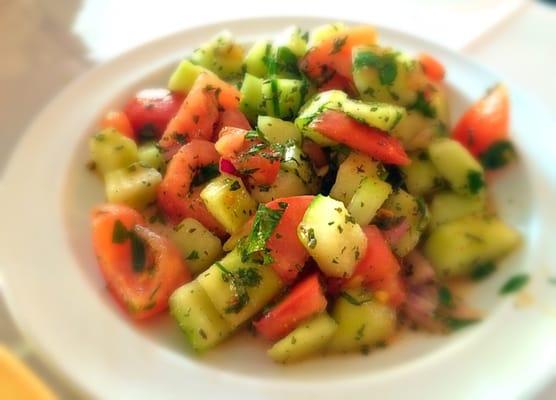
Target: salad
308,188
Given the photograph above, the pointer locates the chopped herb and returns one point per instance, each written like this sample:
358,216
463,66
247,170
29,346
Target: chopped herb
157,217
515,283
120,233
474,238
481,271
293,340
423,106
240,281
148,132
205,174
348,219
365,349
360,332
475,181
352,300
498,155
180,138
338,44
235,186
138,253
311,239
331,223
194,255
385,65
459,323
254,247
202,333
445,296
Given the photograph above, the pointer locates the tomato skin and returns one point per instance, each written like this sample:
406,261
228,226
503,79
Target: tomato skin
378,269
151,109
142,294
232,118
371,141
486,122
315,153
334,54
120,122
305,300
432,68
260,168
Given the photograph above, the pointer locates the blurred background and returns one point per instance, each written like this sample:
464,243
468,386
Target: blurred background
44,44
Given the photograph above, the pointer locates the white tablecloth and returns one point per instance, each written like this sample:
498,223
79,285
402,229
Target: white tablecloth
45,44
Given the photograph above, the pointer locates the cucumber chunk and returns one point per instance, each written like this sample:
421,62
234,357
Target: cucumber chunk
415,131
110,150
362,322
276,130
296,162
404,206
251,97
150,155
456,247
197,318
256,60
233,298
184,76
295,39
307,339
460,169
282,97
368,198
448,206
332,237
378,115
198,246
134,185
222,55
228,201
351,172
421,177
283,63
286,184
324,32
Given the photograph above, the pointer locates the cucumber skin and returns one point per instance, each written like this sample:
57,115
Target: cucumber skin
351,172
367,199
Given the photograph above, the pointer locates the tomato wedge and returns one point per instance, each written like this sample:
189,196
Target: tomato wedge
432,68
250,156
233,119
305,300
120,122
140,267
374,142
485,122
150,110
379,269
334,53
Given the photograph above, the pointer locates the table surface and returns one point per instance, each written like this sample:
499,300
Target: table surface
61,39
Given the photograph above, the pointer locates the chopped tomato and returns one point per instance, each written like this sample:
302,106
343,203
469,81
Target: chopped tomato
371,141
315,153
338,82
252,158
140,268
233,119
120,122
334,54
285,248
150,110
305,300
379,269
433,69
177,196
485,122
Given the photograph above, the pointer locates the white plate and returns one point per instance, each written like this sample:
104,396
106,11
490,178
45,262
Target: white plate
58,299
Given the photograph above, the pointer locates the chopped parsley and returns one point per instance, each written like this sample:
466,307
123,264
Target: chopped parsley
194,255
138,252
483,270
514,284
311,239
338,44
354,301
120,233
445,296
254,246
498,155
423,106
459,323
360,332
385,65
235,186
205,174
475,181
240,281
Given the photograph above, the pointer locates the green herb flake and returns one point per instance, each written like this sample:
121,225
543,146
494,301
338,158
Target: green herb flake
456,324
338,44
384,64
254,247
194,255
475,181
445,296
423,106
360,332
514,284
205,174
138,252
239,281
311,239
353,301
120,233
235,186
498,155
483,270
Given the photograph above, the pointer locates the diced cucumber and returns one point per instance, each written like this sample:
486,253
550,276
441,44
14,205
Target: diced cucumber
448,206
234,299
414,211
415,131
184,76
222,55
276,130
110,150
323,32
329,100
257,58
286,184
332,237
283,63
421,177
362,322
282,98
197,318
228,201
438,100
134,185
379,115
150,155
296,162
368,198
351,172
307,339
456,247
251,101
454,162
199,247
383,74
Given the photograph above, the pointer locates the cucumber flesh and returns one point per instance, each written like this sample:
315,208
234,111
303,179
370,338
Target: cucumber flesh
448,206
456,247
150,155
324,32
110,150
134,185
201,324
256,60
368,198
286,184
222,55
184,76
282,97
351,172
251,97
307,339
421,176
276,130
375,114
332,237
